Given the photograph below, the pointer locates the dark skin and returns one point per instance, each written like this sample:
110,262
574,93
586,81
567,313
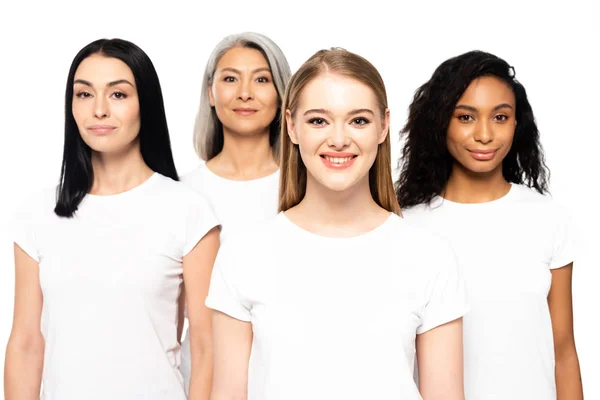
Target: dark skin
480,134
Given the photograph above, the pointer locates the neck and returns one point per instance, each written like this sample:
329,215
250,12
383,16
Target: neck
118,172
333,213
468,187
244,157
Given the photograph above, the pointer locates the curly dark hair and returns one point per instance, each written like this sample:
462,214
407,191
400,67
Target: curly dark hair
426,163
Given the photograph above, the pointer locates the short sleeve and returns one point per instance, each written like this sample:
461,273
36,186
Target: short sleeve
223,294
446,293
200,219
563,249
23,228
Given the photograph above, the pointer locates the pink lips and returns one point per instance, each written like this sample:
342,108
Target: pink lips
101,129
245,111
338,160
483,155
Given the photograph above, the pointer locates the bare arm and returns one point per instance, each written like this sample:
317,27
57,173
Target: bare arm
440,359
232,346
25,350
197,269
567,373
181,314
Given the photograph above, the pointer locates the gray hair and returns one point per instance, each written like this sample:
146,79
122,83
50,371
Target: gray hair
208,131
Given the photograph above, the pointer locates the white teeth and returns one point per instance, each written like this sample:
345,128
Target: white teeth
338,160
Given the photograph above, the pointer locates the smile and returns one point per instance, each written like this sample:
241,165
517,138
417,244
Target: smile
337,162
483,155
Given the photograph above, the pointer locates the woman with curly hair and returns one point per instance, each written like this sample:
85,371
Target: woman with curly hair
473,170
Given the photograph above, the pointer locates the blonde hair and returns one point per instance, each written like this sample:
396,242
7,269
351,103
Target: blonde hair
341,62
208,131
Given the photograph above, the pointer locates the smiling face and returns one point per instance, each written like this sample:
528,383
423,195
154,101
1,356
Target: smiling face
105,104
338,126
242,92
482,127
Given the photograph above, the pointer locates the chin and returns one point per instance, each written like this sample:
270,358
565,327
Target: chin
109,147
248,128
482,169
337,185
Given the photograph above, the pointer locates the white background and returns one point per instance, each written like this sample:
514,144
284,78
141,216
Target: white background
554,48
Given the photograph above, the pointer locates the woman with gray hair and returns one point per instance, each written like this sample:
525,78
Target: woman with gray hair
237,136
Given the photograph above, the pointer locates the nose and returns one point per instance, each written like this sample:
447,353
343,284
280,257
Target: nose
338,138
101,107
484,132
245,90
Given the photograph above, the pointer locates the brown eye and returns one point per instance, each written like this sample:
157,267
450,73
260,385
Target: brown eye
316,121
361,121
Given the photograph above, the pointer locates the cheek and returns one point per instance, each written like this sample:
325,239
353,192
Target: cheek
506,134
222,95
79,111
368,141
130,114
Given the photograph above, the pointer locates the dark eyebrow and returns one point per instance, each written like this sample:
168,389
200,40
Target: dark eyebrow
473,109
237,71
109,84
353,112
503,105
464,107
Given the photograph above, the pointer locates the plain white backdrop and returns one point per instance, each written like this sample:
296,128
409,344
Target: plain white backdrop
555,49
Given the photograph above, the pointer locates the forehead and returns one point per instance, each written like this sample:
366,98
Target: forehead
337,93
488,90
100,69
242,58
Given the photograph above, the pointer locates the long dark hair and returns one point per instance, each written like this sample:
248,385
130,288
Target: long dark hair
77,174
426,163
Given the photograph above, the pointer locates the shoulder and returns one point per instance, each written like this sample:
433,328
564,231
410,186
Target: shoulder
196,178
178,195
421,246
415,236
37,203
535,203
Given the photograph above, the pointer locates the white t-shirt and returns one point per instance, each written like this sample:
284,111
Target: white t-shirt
238,205
110,278
336,318
506,249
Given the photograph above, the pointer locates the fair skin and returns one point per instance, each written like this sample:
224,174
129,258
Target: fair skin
197,269
246,102
484,120
338,126
106,110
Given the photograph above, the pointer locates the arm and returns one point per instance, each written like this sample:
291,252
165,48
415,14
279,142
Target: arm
25,350
197,269
181,314
232,346
440,360
568,376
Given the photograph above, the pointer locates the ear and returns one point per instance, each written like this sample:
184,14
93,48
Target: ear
385,126
291,126
211,98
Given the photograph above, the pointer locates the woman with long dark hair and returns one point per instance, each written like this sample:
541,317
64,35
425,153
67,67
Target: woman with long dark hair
473,170
100,262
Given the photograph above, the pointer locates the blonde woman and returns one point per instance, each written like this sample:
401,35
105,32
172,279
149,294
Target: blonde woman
333,297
